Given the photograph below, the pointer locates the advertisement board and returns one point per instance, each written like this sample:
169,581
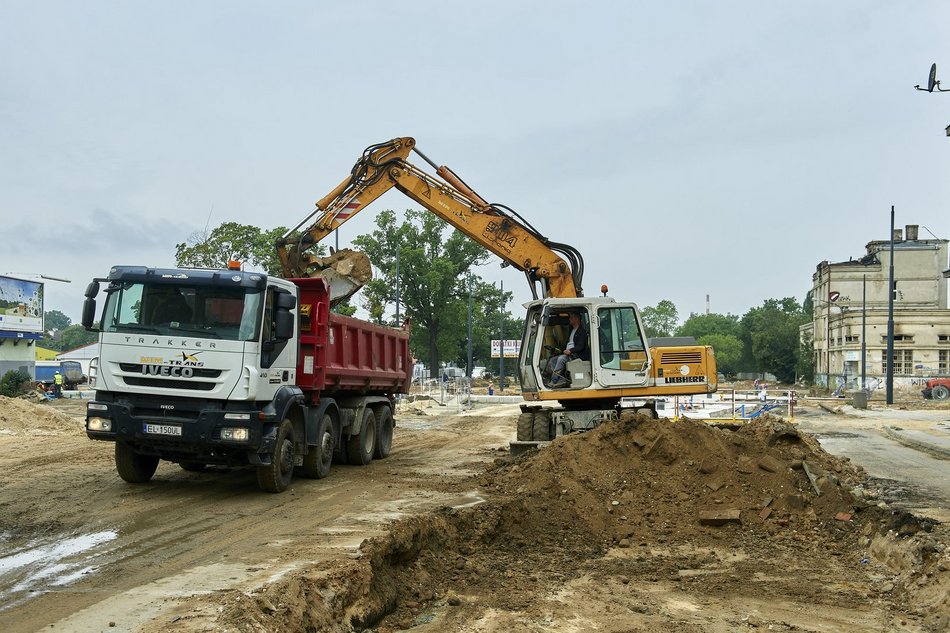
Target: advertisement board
512,348
21,305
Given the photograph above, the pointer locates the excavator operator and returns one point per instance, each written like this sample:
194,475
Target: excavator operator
576,348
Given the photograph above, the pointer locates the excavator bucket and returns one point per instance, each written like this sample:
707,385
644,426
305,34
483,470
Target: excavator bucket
345,272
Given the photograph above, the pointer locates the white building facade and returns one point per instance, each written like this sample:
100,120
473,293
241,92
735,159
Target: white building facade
851,306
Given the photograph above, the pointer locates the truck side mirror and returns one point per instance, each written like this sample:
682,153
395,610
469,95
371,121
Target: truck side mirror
92,290
89,312
283,324
286,301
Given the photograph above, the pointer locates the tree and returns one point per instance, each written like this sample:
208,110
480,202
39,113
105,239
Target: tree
56,320
232,241
771,334
76,336
728,351
701,325
433,264
660,320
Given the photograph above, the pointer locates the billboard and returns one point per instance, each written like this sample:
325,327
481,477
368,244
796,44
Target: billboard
512,348
21,305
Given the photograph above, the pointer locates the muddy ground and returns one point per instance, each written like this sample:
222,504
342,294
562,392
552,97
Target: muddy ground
641,525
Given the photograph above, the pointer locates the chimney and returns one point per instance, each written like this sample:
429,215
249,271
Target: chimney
898,235
911,232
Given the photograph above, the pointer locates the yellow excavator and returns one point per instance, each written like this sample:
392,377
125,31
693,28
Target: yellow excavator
617,368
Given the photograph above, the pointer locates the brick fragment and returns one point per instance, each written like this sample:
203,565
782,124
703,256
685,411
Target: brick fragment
843,516
745,465
765,513
719,517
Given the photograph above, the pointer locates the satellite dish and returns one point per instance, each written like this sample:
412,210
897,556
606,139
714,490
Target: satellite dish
932,81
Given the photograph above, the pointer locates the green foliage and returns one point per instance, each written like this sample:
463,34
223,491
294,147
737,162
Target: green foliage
806,358
771,335
14,383
56,320
76,336
728,351
660,320
433,265
702,325
247,244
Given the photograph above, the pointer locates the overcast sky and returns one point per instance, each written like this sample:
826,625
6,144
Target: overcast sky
685,148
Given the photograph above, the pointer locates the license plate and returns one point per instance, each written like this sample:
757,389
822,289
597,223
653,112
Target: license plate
162,429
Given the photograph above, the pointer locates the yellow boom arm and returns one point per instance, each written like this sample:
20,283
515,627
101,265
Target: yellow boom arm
384,166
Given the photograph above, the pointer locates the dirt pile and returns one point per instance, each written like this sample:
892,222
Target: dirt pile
646,514
19,416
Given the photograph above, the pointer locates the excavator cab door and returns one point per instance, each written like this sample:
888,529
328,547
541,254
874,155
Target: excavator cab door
620,350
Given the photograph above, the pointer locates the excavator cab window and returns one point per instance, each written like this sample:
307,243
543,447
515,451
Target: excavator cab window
620,341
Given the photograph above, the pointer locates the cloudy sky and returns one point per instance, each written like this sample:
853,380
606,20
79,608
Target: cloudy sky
685,148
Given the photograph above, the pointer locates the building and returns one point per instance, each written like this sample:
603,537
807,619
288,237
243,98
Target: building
851,304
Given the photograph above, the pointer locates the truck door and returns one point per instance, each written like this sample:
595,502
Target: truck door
278,358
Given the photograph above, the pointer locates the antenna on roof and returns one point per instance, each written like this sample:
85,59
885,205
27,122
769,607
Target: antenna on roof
932,82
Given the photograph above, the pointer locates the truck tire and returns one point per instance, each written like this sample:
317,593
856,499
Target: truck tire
384,439
541,428
192,467
525,427
360,448
276,476
940,392
319,458
133,467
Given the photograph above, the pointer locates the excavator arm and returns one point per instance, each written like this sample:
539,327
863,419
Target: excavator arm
558,268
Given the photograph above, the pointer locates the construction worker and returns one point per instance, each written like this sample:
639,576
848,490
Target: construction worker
58,385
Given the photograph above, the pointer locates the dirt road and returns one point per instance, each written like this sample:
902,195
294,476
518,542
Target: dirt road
598,532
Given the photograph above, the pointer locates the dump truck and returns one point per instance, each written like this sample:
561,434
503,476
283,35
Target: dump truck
620,367
71,370
237,368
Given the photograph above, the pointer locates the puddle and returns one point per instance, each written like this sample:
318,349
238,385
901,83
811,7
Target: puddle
31,567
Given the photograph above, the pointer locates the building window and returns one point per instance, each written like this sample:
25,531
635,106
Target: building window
903,361
851,339
943,338
943,361
899,338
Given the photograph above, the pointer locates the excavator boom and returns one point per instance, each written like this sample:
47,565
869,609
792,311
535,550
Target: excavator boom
385,166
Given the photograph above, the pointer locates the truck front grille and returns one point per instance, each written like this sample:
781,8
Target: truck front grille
167,383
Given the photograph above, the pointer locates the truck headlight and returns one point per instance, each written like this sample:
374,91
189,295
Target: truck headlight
97,406
99,424
234,434
237,416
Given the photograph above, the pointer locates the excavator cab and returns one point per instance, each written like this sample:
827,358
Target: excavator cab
615,355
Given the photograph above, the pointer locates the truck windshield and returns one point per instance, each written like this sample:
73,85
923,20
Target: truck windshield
198,310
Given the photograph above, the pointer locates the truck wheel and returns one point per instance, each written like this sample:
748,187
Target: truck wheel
940,392
360,448
193,467
276,476
384,440
542,427
319,458
526,427
133,467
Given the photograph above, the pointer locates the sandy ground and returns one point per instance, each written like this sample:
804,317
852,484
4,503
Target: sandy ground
638,526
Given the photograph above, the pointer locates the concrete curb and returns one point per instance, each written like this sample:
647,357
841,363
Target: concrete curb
936,452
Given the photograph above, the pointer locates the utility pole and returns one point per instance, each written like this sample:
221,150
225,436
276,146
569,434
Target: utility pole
501,335
889,390
864,331
470,328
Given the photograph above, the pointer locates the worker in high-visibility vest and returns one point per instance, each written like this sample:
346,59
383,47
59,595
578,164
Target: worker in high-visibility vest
58,385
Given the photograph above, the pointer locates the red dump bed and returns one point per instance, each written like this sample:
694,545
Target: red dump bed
341,355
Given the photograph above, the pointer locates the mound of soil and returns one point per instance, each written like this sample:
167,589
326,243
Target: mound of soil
618,528
19,416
